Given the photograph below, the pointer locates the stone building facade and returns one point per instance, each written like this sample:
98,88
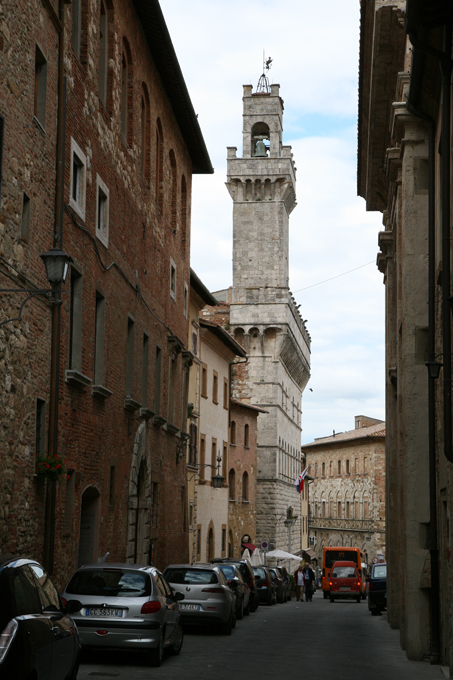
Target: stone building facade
242,475
131,144
347,495
404,171
261,312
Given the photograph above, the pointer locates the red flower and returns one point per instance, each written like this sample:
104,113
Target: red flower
58,466
47,465
68,476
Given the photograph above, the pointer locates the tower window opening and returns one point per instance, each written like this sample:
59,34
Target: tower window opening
261,143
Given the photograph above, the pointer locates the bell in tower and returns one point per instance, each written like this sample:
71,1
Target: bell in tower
260,147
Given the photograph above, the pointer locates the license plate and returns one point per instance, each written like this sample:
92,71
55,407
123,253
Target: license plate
344,588
105,611
190,607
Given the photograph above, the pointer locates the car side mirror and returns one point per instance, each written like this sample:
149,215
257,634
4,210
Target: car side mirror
179,596
72,606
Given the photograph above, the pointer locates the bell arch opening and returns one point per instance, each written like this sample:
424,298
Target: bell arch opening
261,141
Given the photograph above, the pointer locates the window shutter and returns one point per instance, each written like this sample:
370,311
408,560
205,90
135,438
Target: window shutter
2,135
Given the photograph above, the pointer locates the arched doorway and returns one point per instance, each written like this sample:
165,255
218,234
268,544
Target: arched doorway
89,526
139,501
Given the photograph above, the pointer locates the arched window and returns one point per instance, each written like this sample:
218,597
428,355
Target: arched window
260,142
103,54
211,545
232,432
184,221
173,192
246,435
159,165
245,486
232,484
126,93
145,143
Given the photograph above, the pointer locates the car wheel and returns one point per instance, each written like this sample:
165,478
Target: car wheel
324,592
332,599
240,610
178,641
156,654
358,600
228,626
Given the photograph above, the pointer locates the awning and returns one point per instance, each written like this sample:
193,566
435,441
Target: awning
249,546
311,553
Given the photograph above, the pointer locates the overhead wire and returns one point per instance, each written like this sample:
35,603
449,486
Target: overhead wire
335,277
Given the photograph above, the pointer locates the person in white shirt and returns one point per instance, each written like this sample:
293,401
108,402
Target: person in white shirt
299,582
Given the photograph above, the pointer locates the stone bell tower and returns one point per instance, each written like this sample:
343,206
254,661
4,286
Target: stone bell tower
263,314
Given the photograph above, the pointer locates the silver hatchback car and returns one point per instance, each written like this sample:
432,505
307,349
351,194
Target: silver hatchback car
207,596
126,606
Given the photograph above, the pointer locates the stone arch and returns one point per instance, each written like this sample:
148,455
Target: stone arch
90,511
139,500
270,341
254,341
239,336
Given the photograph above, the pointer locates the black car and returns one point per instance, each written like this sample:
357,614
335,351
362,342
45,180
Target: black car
247,574
287,581
265,584
239,588
377,589
37,637
280,586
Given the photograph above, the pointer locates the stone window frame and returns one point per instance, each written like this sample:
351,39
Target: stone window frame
204,381
102,230
78,204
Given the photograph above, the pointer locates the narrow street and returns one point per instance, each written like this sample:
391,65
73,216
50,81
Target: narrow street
317,640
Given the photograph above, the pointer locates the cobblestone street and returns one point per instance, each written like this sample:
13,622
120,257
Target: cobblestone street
316,640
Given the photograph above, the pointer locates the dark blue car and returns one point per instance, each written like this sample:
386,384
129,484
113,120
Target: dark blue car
377,589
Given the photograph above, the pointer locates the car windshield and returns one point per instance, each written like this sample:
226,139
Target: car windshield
228,570
380,571
340,556
259,573
191,576
343,572
110,582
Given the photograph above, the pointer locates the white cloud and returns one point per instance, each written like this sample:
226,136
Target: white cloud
316,62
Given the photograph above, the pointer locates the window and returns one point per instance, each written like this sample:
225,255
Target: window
365,509
347,467
40,428
157,379
145,142
365,465
356,466
232,484
331,508
25,218
338,508
145,370
225,393
204,381
224,459
186,301
112,485
245,486
75,321
76,26
323,508
102,212
130,357
40,87
184,220
330,469
323,470
347,509
103,55
215,387
171,406
316,469
172,279
194,343
77,199
159,166
213,455
246,435
233,432
223,539
190,514
339,467
173,192
125,96
202,456
193,444
99,334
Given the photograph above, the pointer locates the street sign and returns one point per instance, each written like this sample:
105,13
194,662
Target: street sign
264,545
375,560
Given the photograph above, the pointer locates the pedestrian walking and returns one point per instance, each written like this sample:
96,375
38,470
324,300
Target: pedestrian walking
299,582
309,578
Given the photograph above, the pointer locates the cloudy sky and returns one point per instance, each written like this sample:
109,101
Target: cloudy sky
315,51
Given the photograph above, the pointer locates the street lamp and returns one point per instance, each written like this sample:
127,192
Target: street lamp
56,262
434,368
217,479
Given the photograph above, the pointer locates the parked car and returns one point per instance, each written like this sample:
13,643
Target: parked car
265,585
239,588
345,582
208,597
126,606
287,582
38,638
247,574
280,588
377,588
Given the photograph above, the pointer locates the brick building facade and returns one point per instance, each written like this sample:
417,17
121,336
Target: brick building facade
132,142
347,495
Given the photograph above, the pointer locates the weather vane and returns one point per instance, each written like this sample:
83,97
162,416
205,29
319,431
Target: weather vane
263,83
